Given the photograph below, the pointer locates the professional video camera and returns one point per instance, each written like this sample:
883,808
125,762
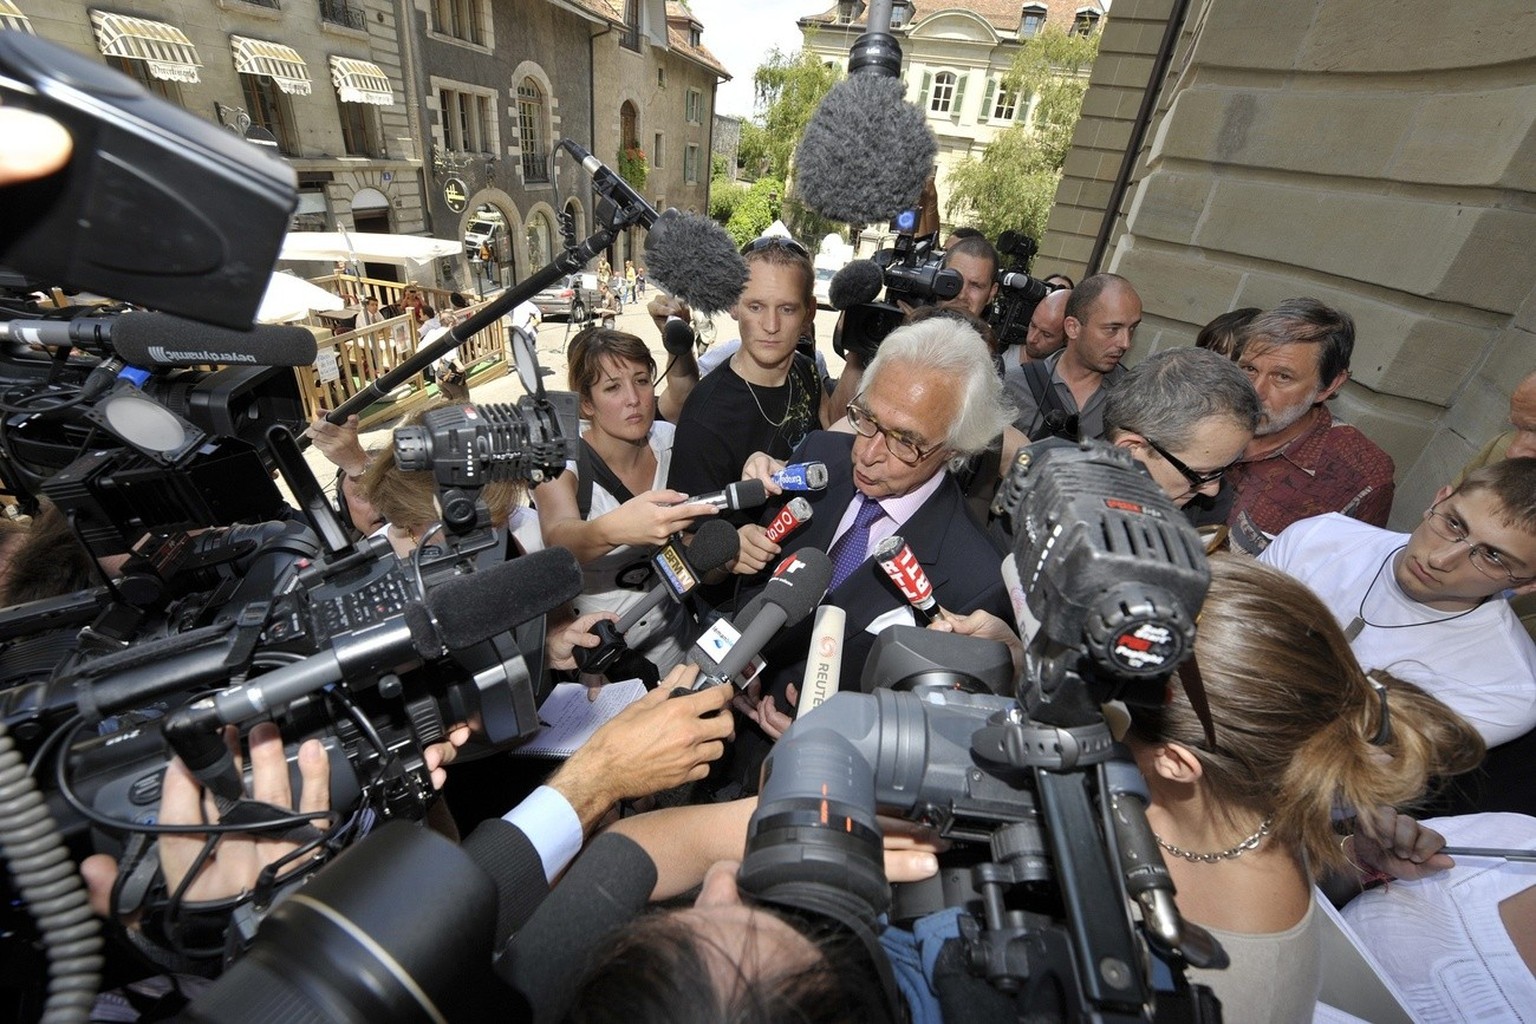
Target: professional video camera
1017,294
1048,819
912,272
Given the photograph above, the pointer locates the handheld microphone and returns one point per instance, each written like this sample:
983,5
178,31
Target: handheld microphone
857,283
802,476
677,336
732,498
688,253
158,339
714,546
895,556
824,666
796,587
867,153
790,518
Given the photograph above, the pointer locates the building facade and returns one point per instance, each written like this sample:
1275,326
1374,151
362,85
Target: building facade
955,60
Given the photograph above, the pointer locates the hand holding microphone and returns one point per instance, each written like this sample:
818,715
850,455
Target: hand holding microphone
649,519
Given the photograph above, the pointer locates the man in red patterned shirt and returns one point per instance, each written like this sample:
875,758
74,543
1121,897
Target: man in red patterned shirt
1301,462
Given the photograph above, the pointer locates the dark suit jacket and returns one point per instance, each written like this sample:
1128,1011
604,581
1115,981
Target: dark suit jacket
961,562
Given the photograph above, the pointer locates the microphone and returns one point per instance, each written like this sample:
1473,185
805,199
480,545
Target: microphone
158,339
857,283
895,556
677,336
824,666
733,497
866,153
802,476
797,586
688,253
790,518
715,545
479,605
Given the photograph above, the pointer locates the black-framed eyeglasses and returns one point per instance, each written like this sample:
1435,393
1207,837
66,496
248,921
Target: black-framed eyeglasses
1384,729
770,241
1483,558
897,442
1196,480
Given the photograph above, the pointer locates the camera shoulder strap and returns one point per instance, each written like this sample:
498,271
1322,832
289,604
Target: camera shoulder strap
590,470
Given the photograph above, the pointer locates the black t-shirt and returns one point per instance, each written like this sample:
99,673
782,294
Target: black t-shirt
726,419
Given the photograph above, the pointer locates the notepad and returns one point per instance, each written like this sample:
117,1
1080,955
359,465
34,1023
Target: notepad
569,719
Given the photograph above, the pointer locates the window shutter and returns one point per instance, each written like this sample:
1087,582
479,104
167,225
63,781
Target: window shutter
959,94
986,100
922,96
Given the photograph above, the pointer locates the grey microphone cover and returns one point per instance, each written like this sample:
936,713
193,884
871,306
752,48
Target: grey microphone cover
866,154
695,260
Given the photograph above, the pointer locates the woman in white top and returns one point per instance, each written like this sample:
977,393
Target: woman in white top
1243,804
618,515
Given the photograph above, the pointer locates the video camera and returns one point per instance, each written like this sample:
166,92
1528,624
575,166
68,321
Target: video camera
1018,294
912,271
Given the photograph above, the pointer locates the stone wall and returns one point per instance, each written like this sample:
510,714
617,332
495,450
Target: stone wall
1378,157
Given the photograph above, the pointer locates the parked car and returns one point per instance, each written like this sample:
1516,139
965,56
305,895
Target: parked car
823,285
571,296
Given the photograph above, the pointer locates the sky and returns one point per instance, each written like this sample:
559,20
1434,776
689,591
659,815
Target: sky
741,32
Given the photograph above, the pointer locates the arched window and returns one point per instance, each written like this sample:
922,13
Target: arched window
943,96
629,126
540,232
530,131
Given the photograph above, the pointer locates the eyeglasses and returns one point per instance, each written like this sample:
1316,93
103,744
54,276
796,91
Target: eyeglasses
896,441
770,241
1196,480
1384,729
1448,526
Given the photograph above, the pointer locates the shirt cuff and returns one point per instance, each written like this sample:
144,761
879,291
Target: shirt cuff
551,825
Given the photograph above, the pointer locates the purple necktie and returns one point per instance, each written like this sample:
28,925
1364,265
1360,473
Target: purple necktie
852,548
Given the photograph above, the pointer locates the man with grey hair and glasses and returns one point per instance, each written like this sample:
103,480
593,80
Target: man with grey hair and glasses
930,399
1427,606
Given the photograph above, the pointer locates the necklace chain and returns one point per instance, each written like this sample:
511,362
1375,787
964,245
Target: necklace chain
1216,858
788,405
1359,622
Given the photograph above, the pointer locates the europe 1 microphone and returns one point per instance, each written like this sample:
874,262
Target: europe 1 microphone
802,476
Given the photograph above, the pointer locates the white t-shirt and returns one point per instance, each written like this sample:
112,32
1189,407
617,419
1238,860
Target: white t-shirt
1441,939
659,634
1481,664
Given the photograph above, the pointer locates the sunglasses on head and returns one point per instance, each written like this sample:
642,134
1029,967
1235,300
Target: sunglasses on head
771,241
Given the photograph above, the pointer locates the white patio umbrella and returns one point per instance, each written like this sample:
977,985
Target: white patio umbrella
290,297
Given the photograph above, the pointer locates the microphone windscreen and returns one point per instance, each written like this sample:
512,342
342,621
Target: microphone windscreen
857,283
799,583
695,260
715,545
158,339
866,154
677,336
480,605
746,494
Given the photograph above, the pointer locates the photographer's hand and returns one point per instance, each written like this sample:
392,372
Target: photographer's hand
339,443
34,145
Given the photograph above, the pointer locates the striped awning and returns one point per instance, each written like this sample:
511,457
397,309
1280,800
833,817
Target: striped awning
12,18
360,81
282,63
166,51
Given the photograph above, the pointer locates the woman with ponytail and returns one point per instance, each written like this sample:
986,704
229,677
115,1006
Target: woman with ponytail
1243,804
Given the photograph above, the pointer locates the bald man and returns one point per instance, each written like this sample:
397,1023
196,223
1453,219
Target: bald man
1520,440
1046,335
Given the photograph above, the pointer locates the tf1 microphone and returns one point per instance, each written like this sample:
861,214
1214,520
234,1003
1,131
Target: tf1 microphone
715,545
677,336
857,283
790,518
796,587
690,254
867,153
895,556
824,665
733,497
157,339
802,476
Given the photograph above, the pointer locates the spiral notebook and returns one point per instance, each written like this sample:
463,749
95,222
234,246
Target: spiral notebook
568,719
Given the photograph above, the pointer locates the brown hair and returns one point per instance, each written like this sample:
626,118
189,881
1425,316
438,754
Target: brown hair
592,346
787,256
409,499
1512,482
1222,333
1295,715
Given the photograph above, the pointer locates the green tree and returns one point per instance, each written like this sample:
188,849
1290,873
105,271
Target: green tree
756,208
789,88
1012,186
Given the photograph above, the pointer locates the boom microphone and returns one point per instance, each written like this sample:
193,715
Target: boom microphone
857,283
790,518
688,253
479,605
158,339
867,152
